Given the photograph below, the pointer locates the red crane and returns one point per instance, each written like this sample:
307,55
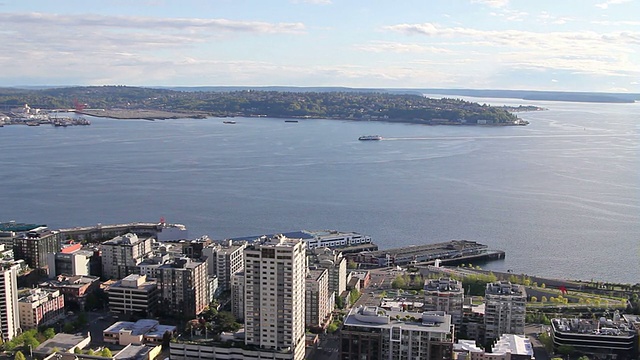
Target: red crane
79,106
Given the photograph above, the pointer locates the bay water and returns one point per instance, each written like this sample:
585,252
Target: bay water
561,196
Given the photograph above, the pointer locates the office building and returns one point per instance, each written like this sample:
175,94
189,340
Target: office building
274,295
444,295
225,260
122,254
505,309
33,246
144,331
372,333
134,295
319,301
9,313
75,289
77,262
42,306
184,287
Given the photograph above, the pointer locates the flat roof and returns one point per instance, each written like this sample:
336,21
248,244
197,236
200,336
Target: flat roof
146,327
61,341
375,317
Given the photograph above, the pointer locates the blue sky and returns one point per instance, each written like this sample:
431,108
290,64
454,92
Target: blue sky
576,45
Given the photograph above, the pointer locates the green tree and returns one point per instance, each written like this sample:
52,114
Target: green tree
543,299
49,333
91,352
20,356
77,350
399,283
333,327
339,302
106,353
566,349
354,295
68,328
546,341
534,299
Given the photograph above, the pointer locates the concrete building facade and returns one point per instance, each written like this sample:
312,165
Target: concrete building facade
505,309
372,333
225,260
237,296
444,295
319,301
9,313
122,254
184,287
33,246
335,263
275,272
134,295
41,307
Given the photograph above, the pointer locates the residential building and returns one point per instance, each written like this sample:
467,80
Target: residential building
74,288
446,295
33,246
372,333
505,309
335,263
184,287
274,295
508,347
609,338
134,295
122,254
144,331
319,301
237,296
9,313
41,307
225,260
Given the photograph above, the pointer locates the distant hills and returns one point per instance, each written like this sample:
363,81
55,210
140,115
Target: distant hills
512,94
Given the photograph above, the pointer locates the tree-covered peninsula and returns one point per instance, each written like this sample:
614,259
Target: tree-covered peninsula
345,105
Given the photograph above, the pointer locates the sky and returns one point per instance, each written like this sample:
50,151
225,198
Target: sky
568,45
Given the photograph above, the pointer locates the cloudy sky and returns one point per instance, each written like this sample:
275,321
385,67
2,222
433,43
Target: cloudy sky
579,45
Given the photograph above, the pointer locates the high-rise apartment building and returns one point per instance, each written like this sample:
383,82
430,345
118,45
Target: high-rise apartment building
237,296
275,273
319,301
9,313
225,260
505,309
33,246
184,287
444,295
122,254
335,263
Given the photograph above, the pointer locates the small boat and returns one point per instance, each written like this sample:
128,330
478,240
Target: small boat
228,122
291,121
370,137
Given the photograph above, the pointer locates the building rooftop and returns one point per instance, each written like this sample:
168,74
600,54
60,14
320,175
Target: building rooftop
505,288
514,344
146,327
126,239
442,285
39,294
373,316
616,327
134,352
62,341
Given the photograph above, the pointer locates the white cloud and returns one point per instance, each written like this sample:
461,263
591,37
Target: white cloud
554,80
606,4
384,46
581,51
492,3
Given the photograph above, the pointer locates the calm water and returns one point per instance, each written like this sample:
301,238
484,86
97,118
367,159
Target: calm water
561,196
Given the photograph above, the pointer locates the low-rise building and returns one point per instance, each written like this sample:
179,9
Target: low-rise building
134,295
41,307
74,288
61,342
614,337
145,331
372,333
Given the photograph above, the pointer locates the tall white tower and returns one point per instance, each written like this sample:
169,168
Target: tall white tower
9,314
275,295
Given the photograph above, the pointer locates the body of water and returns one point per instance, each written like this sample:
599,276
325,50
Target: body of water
561,196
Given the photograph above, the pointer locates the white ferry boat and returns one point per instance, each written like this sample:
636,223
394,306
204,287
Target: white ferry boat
370,137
